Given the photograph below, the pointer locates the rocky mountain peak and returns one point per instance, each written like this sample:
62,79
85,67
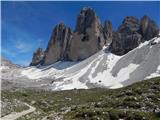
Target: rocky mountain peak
129,25
130,19
148,28
126,37
37,57
88,37
86,18
131,33
58,45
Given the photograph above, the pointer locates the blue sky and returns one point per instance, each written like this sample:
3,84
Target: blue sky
28,25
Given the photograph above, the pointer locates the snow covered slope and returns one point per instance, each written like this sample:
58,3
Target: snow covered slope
103,69
8,69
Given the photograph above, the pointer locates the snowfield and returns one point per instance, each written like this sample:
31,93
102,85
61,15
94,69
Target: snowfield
103,69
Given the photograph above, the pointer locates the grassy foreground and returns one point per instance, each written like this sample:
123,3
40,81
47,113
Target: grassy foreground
140,101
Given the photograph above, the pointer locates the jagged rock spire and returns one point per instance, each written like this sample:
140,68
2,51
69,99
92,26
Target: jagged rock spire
148,28
131,33
37,57
88,37
58,45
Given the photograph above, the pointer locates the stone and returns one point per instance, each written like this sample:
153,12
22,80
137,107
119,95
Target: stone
126,37
131,33
88,37
59,44
37,57
148,28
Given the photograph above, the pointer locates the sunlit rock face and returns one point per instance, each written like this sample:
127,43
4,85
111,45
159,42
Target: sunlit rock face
59,44
148,28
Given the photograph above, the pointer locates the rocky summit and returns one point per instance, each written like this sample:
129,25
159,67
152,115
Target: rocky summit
131,33
37,57
90,36
148,28
59,44
126,37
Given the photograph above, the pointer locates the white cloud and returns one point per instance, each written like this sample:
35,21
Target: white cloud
40,43
22,47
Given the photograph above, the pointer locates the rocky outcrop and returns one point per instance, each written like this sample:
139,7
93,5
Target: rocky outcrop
148,28
59,44
108,32
127,37
131,33
88,37
37,57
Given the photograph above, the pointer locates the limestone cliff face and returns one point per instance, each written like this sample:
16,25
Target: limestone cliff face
37,57
59,44
88,37
148,28
126,37
131,33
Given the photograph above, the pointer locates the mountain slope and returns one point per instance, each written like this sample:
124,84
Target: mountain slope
103,69
139,101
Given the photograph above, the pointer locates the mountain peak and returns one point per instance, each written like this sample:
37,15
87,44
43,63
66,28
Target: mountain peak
148,28
90,37
37,57
85,19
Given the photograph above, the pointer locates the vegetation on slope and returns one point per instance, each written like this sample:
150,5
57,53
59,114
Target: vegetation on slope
140,101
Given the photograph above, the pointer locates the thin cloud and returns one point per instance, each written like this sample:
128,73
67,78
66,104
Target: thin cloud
7,52
23,62
22,47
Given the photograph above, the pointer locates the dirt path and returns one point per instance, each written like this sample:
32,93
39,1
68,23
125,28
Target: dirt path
14,116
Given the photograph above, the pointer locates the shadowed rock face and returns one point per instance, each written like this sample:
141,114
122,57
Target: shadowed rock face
88,37
131,33
148,28
59,44
127,36
108,32
37,57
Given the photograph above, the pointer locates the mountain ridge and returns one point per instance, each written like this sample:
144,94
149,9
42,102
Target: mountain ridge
103,69
90,36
